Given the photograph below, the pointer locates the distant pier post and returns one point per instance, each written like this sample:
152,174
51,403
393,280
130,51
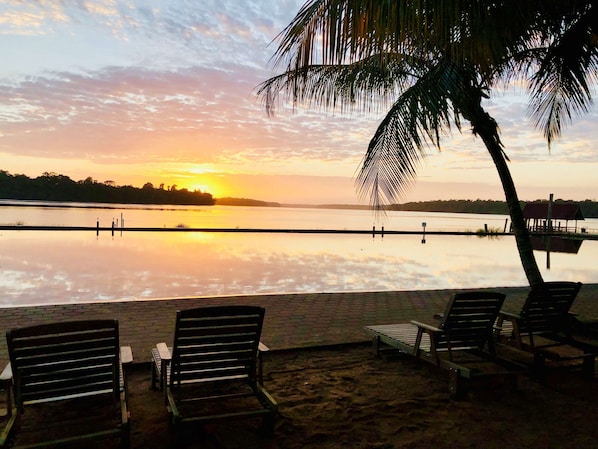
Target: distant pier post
97,227
113,227
374,231
424,232
549,217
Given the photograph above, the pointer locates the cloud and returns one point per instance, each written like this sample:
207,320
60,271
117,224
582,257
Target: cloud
30,18
198,114
125,82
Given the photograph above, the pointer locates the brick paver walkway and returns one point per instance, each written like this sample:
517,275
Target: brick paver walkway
292,320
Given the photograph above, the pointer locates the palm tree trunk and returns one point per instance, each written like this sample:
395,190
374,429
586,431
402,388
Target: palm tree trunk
485,126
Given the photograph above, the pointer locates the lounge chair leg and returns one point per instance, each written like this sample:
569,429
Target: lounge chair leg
154,376
454,383
171,420
376,346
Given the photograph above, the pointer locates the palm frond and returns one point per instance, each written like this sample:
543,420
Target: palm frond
365,83
416,121
332,32
561,85
341,32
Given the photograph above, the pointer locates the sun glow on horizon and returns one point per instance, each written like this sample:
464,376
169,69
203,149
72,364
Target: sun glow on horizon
203,185
203,188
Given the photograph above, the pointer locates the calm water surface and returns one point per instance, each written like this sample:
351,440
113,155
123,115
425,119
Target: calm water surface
79,266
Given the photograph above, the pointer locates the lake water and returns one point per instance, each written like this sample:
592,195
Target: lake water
43,267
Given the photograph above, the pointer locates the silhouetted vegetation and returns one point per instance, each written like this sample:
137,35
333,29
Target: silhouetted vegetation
53,187
589,208
457,206
227,201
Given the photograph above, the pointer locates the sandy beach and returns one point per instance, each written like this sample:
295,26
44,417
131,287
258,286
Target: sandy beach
333,392
346,397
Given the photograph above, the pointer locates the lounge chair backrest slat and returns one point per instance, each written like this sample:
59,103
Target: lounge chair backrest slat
468,320
216,343
547,307
67,359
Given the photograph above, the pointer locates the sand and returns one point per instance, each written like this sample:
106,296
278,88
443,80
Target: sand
346,397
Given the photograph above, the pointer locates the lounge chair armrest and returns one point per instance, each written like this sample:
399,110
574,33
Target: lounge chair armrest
260,362
126,355
6,373
426,327
164,352
5,382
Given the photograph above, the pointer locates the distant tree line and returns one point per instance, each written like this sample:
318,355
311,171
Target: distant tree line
54,187
227,201
589,208
456,206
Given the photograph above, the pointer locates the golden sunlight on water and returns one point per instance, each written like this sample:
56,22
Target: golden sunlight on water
79,266
42,267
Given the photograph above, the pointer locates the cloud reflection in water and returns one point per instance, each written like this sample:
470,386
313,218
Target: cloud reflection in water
72,266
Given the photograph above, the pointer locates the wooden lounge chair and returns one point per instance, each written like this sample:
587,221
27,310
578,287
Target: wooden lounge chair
211,373
68,379
461,342
543,327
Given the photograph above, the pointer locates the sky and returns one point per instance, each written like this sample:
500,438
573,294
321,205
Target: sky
137,91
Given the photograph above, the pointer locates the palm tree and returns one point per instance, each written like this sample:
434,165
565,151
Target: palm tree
435,63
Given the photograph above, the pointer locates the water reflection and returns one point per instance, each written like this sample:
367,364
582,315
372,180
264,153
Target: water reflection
556,244
240,217
74,266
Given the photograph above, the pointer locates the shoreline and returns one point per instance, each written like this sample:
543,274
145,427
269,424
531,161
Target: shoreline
374,232
380,231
